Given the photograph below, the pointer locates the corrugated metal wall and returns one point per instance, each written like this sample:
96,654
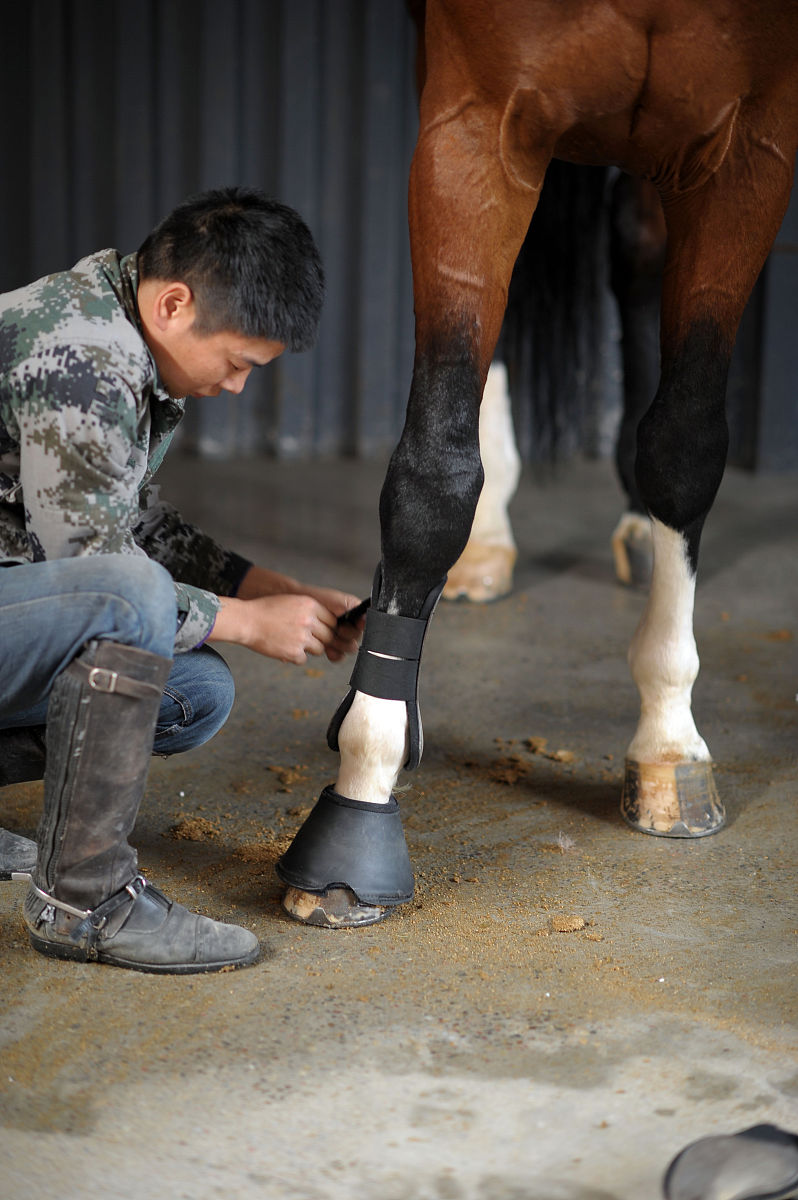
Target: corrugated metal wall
114,110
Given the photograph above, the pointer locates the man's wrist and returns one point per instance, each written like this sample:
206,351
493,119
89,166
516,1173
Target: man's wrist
231,622
258,581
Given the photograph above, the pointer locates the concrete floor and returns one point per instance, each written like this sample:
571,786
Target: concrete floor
465,1049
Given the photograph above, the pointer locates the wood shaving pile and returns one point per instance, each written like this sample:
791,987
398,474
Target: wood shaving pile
194,829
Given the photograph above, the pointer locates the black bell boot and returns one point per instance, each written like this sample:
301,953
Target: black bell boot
348,843
86,900
22,756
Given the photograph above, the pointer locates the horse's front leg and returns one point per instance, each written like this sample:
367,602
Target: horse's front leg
349,864
719,237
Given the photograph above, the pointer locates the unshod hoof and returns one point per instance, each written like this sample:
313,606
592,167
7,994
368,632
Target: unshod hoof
672,799
482,573
335,908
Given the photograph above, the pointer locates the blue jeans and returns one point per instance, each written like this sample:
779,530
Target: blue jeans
49,610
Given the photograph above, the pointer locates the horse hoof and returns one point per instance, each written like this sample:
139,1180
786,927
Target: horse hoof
482,573
335,908
672,799
633,550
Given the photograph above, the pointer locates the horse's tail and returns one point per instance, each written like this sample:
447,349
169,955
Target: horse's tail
552,330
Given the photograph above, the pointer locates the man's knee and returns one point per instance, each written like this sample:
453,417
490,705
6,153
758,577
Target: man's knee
143,595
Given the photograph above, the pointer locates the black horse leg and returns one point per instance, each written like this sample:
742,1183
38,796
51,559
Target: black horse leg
637,255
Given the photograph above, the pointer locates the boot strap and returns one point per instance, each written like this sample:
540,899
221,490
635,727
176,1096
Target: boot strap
93,921
94,918
101,679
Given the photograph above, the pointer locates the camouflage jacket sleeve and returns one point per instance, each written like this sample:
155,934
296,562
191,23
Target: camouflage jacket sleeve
189,554
82,460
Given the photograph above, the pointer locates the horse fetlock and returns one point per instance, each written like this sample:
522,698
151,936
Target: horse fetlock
667,733
373,742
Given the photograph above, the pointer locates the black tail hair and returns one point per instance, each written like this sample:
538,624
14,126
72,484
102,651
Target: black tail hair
552,326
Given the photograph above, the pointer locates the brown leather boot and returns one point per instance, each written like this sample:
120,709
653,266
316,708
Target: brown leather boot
86,899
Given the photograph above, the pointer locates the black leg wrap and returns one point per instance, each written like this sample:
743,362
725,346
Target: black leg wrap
394,678
349,843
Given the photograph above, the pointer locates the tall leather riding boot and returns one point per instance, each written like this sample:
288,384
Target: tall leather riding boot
86,899
22,756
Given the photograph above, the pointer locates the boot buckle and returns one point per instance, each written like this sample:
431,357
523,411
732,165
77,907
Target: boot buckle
136,886
101,679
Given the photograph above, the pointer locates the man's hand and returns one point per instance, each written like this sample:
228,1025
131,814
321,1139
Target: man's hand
287,625
346,637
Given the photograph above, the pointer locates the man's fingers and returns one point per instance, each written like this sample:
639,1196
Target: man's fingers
324,632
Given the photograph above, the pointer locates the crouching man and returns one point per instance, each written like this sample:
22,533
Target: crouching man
108,599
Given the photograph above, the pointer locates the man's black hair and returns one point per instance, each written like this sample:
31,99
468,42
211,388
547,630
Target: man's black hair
250,261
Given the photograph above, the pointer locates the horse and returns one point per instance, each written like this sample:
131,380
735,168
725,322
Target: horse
701,101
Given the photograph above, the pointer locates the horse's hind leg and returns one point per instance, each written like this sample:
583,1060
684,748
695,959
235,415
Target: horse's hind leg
484,570
719,236
637,255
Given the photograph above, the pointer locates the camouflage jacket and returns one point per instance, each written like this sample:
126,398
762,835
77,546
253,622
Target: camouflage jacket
84,425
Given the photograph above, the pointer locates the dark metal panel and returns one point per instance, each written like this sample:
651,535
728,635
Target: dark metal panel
217,94
135,98
135,104
50,138
341,149
93,120
384,190
15,133
179,75
298,158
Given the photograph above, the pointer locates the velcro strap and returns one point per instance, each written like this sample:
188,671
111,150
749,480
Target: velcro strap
101,679
388,678
388,634
392,678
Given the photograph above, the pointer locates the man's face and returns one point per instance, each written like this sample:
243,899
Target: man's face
196,364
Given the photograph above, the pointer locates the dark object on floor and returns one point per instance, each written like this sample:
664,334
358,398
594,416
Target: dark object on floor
760,1163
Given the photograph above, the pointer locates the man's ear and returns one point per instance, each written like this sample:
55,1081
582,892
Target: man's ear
173,307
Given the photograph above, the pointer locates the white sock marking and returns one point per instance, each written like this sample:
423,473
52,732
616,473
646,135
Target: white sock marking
500,460
664,660
373,745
